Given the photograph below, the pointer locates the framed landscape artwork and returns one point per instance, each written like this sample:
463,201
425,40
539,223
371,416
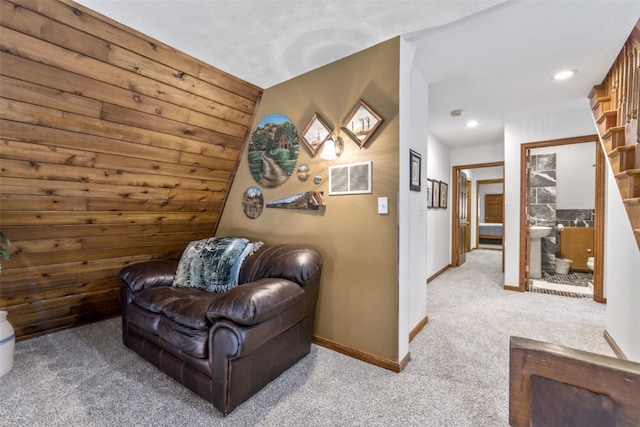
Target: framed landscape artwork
273,151
252,202
315,134
361,123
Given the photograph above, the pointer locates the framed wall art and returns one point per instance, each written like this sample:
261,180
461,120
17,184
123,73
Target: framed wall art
315,134
444,193
436,193
429,193
415,163
252,202
309,200
273,151
361,123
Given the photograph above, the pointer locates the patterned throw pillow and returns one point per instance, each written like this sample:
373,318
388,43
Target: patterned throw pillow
213,264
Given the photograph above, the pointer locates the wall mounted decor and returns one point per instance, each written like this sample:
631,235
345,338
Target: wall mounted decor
354,178
310,200
332,148
444,193
436,193
415,169
315,134
252,202
303,172
273,150
361,123
429,193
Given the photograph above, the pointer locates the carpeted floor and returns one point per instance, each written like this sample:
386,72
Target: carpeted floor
458,375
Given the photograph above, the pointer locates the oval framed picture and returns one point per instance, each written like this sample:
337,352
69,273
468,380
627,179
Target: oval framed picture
252,202
273,151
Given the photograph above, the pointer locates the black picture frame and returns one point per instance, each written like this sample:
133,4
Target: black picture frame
444,194
429,193
415,171
436,194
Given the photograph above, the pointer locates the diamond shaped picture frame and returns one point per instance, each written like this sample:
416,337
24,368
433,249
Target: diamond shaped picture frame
315,134
361,123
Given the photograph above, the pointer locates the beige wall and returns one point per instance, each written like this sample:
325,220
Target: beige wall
358,306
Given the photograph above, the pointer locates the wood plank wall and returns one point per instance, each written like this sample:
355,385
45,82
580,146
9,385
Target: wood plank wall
114,149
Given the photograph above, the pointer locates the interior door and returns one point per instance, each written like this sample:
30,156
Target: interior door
462,220
525,233
493,208
469,213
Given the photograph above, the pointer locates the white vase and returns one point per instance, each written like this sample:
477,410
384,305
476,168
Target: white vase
7,344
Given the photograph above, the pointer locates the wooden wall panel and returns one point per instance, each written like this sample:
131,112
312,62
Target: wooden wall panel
114,149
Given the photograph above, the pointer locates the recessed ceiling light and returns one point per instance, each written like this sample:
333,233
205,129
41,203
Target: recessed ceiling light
563,75
472,123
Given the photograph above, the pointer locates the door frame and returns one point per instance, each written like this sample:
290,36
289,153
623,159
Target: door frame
599,211
454,206
478,184
469,213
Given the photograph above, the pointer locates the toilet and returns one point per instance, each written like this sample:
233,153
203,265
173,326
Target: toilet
590,263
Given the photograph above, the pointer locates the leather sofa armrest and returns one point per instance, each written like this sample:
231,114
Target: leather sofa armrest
256,302
149,274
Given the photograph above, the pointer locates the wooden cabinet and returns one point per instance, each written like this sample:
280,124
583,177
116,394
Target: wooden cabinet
576,244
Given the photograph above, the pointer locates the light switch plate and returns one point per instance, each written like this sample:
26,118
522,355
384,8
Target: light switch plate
383,205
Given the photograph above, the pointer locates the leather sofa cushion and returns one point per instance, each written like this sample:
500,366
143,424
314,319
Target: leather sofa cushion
197,309
144,319
186,306
188,340
255,302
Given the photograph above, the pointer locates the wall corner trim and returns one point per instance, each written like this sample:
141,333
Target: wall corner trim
614,346
362,355
415,331
438,273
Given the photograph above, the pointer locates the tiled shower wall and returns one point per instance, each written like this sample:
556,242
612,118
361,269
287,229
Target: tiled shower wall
542,203
575,217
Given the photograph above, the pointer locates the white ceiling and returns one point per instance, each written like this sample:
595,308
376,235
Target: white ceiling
492,58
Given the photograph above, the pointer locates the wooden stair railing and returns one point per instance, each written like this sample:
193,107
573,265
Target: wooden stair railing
615,104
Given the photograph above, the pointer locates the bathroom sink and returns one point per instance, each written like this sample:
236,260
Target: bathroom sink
538,232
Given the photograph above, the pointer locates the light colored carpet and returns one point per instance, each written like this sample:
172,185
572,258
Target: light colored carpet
458,375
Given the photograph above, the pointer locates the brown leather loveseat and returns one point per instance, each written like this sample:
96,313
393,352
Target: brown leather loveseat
224,346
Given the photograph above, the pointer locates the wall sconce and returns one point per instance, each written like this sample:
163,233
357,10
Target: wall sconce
332,147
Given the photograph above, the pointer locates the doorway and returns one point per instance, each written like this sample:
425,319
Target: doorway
527,269
464,221
489,213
